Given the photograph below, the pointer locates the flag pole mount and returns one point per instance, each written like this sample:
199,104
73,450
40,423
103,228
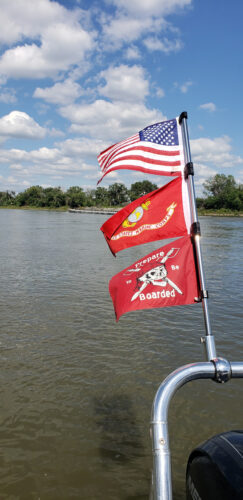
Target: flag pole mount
208,340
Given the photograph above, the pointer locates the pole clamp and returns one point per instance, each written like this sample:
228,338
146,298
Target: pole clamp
182,115
188,170
223,371
202,295
195,229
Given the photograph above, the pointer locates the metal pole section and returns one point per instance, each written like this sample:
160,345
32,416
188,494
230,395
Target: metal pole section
209,339
220,370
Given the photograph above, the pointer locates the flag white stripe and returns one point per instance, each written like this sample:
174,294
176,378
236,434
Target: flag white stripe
147,154
131,140
108,155
129,151
140,163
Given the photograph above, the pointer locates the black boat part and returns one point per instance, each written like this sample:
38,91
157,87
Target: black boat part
215,469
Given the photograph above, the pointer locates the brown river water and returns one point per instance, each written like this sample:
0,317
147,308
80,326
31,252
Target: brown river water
77,387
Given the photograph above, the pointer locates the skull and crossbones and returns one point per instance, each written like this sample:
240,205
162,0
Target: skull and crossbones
157,276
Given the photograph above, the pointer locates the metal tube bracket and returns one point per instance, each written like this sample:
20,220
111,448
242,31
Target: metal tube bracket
223,372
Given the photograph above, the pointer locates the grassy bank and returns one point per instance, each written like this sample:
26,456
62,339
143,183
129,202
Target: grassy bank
28,207
201,212
219,213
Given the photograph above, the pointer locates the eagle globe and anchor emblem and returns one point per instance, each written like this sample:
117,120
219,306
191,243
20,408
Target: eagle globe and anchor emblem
136,215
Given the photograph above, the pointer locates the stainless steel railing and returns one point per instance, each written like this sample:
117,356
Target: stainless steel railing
219,370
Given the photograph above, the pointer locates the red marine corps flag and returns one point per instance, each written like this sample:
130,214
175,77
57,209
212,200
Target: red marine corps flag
161,214
165,277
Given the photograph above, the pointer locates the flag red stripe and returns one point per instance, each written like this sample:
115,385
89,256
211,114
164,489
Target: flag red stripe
119,144
142,169
119,154
117,151
145,160
104,157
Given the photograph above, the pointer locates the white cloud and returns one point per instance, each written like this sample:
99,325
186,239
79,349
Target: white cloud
62,46
136,18
216,151
124,83
68,158
132,52
27,19
110,121
125,29
21,125
153,7
164,45
13,181
204,171
209,106
8,96
77,148
61,93
185,86
50,39
127,87
160,92
53,132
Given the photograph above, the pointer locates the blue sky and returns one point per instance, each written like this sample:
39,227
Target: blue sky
77,76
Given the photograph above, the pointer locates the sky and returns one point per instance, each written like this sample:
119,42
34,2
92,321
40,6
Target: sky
77,76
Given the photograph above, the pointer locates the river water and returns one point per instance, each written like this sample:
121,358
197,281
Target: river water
77,387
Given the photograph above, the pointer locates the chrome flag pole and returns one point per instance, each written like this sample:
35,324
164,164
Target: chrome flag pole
215,368
195,233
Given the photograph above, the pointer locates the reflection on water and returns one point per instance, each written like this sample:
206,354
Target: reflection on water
115,419
77,387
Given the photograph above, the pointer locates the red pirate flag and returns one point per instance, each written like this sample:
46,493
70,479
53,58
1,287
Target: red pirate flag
165,277
158,215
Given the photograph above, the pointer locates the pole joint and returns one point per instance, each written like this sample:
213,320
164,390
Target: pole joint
202,295
195,229
188,170
223,371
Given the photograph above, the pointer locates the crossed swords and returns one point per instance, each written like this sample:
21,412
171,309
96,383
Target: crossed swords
155,274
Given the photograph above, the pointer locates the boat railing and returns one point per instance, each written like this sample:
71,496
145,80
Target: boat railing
220,370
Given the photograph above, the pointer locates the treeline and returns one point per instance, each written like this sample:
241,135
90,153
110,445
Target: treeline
220,192
75,196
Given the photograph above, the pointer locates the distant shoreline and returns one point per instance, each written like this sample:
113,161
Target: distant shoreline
112,210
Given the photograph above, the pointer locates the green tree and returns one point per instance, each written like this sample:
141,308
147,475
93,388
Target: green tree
222,191
140,188
75,197
101,197
219,185
54,197
90,197
118,194
7,198
33,196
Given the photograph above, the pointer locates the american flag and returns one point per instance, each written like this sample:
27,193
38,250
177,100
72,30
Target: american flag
157,149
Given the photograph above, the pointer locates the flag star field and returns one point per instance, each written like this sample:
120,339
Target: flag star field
78,76
164,133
